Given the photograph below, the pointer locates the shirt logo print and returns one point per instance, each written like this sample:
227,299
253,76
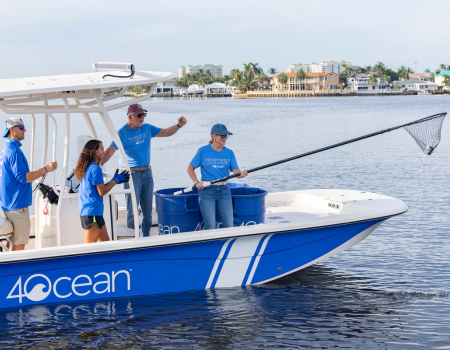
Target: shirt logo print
138,139
218,163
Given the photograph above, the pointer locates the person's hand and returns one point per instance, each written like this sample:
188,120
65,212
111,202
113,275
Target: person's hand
122,177
182,121
51,166
244,173
199,185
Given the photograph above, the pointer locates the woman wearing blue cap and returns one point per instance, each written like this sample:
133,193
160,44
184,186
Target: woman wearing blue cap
215,161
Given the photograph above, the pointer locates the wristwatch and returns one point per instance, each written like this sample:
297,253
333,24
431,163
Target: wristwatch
178,126
196,182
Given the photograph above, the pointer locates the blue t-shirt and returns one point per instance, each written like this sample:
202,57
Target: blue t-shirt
15,192
137,144
91,203
215,165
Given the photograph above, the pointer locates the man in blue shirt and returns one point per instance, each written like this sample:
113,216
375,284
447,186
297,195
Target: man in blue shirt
15,182
136,137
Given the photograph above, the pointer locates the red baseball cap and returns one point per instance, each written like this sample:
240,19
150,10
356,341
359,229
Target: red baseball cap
136,108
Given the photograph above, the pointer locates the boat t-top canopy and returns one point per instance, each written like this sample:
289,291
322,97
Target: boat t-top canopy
83,94
71,82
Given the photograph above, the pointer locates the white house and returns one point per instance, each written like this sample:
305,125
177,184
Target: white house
439,79
416,85
167,86
219,88
359,83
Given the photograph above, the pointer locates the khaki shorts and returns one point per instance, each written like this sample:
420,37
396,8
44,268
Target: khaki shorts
20,220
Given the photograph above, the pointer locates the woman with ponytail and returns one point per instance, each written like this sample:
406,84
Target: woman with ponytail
92,188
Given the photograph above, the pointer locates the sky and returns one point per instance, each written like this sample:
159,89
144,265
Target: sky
59,37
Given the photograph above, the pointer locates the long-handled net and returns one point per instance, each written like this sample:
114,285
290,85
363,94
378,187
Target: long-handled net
426,132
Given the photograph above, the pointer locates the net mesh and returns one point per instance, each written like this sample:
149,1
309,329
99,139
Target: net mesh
427,133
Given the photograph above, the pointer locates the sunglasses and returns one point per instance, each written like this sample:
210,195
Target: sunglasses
21,127
142,115
223,136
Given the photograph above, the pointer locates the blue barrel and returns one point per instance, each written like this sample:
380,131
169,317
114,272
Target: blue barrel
249,205
236,185
180,213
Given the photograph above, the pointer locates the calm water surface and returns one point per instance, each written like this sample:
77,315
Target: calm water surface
390,291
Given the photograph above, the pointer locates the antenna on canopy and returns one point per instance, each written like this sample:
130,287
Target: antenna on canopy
114,65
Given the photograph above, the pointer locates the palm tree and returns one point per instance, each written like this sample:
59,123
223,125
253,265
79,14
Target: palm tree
262,77
403,72
236,75
372,81
379,68
190,79
427,71
256,71
386,79
282,79
348,70
226,79
367,69
272,71
248,70
443,67
446,81
300,75
246,84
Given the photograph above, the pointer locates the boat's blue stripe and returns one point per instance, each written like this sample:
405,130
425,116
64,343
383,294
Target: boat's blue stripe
216,277
249,269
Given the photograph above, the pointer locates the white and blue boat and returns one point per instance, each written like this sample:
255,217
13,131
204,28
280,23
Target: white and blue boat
300,228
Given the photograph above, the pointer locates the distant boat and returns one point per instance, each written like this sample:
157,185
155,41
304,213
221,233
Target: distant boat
424,93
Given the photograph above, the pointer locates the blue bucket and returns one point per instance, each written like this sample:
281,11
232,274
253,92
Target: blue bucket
249,205
236,185
180,213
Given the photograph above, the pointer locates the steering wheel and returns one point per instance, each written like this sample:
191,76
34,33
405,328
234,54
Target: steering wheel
41,181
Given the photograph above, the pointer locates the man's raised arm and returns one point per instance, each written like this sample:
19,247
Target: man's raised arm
172,129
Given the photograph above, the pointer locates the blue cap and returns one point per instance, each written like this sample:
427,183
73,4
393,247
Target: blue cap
6,129
220,129
9,123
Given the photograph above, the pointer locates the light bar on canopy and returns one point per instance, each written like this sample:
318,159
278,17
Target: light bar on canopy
114,65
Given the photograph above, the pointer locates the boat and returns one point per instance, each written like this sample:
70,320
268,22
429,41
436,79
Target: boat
424,93
194,89
299,228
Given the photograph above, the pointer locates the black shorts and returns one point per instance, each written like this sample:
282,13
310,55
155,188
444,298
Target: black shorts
88,221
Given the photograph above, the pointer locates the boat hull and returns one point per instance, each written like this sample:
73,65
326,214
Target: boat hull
231,262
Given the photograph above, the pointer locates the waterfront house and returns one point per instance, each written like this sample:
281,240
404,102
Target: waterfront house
416,85
219,88
313,81
361,83
167,86
439,80
418,76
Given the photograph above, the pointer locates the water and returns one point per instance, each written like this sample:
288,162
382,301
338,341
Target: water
389,291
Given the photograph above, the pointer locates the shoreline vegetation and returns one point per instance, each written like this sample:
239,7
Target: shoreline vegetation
253,78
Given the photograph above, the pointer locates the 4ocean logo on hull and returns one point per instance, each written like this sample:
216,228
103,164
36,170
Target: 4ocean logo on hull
38,287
